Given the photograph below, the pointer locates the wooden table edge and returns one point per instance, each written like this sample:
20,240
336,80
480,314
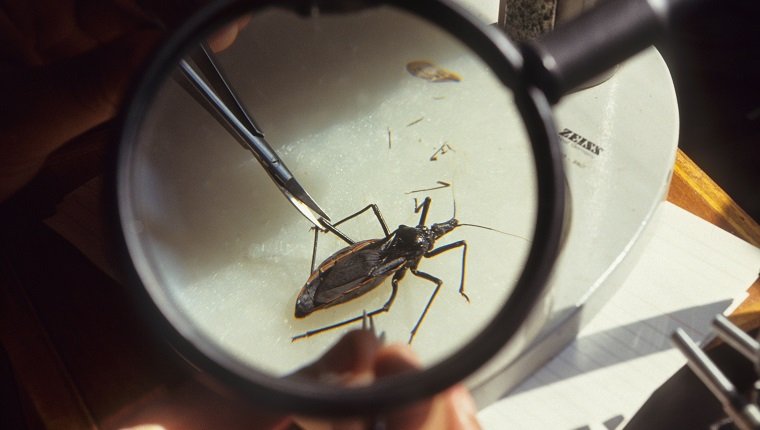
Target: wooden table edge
693,190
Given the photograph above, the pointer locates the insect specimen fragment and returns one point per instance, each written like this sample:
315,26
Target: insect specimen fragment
430,72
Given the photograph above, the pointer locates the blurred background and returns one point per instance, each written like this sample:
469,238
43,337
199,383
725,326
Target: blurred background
714,58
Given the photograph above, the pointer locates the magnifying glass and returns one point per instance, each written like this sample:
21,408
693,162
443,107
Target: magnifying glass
414,112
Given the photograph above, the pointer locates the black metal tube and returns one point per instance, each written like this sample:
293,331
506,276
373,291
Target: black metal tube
585,47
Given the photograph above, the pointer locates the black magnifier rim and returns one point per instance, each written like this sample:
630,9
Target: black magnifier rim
267,391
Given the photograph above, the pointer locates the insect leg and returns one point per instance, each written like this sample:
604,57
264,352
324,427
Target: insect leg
448,247
425,205
334,230
330,227
438,284
378,215
385,308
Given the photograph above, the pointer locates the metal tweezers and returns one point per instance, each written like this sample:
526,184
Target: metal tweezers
209,86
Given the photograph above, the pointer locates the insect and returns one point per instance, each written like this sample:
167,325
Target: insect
362,266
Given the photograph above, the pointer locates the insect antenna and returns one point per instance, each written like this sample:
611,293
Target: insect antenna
461,224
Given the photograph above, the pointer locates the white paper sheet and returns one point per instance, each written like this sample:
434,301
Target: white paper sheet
691,271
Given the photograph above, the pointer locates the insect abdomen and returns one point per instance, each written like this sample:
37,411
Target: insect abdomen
347,274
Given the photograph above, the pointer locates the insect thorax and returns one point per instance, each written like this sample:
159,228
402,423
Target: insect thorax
411,241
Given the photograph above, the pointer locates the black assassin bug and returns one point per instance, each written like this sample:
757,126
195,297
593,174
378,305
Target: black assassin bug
362,266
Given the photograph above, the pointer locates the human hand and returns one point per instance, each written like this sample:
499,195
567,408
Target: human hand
65,66
358,358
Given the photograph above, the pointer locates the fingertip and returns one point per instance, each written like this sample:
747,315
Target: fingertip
350,361
226,36
395,359
462,405
222,39
356,349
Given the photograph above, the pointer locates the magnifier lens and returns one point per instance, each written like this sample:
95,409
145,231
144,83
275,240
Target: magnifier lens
376,106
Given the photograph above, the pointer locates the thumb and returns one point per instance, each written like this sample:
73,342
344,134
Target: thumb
348,362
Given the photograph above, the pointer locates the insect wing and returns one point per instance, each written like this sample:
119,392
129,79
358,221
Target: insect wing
349,273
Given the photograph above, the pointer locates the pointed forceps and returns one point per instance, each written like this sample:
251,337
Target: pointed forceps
207,81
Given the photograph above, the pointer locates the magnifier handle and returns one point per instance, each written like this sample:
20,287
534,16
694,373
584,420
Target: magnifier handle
614,30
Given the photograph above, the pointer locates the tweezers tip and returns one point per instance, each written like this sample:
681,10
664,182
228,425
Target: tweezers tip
298,192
